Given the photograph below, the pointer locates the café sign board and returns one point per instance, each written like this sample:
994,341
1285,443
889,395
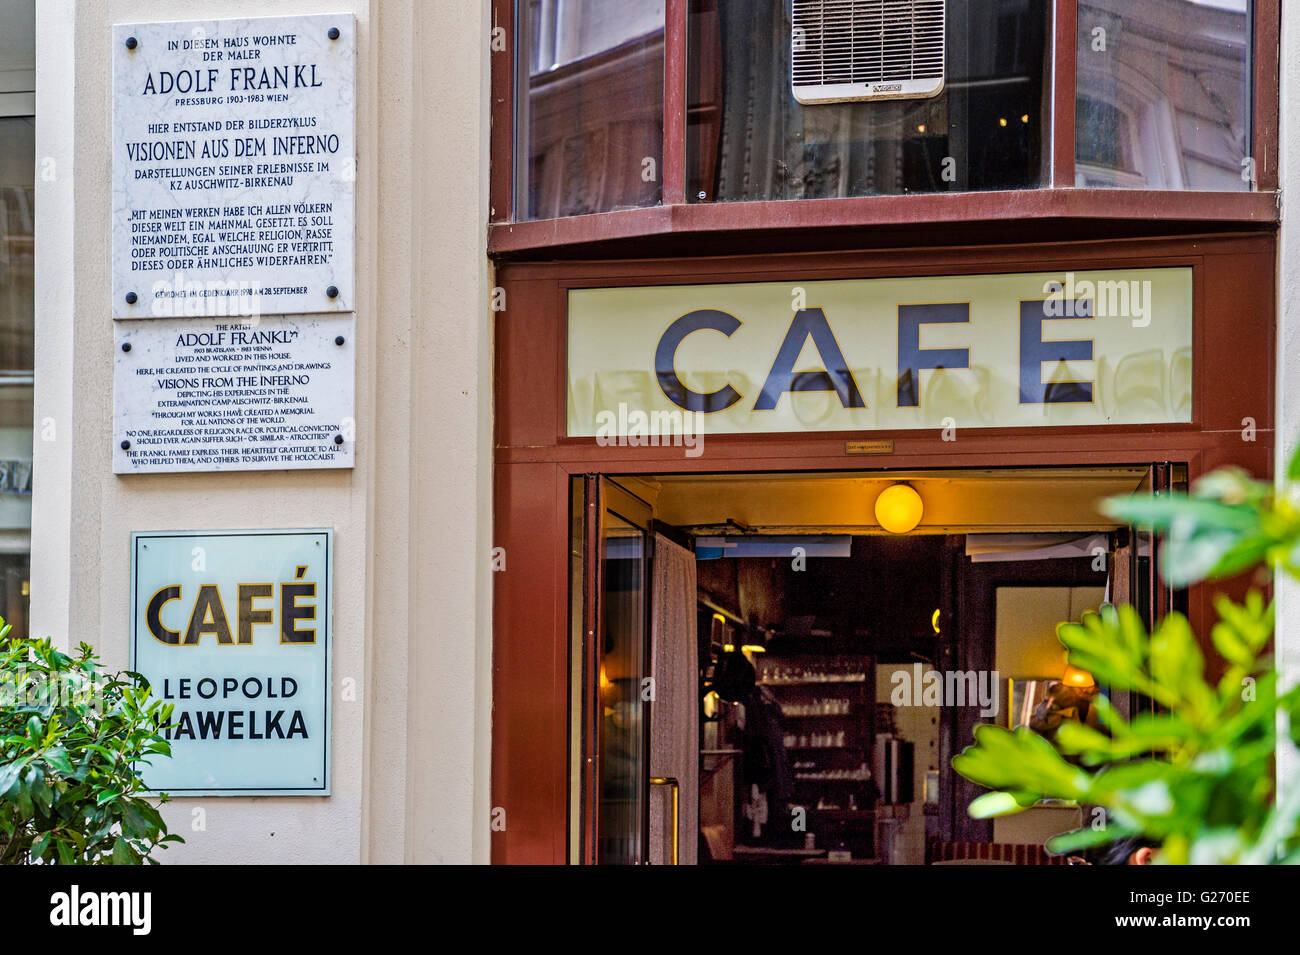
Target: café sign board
234,161
1026,350
234,629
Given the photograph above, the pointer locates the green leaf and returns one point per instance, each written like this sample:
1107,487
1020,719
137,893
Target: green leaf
1078,840
9,773
133,823
1232,486
1133,776
1001,804
1218,846
1078,738
1229,642
57,757
1019,761
1177,663
39,845
1178,513
1293,729
122,852
1293,466
1203,538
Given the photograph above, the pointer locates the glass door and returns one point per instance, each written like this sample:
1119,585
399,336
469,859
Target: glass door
612,650
1135,572
1149,593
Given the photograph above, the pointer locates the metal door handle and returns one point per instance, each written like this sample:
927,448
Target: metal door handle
677,818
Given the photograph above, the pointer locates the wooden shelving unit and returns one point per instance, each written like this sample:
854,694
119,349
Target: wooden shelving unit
828,706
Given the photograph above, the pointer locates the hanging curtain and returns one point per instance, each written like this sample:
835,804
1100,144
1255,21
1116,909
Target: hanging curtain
674,714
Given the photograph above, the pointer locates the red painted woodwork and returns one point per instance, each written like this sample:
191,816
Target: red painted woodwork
1064,61
1233,358
1268,30
1040,208
674,152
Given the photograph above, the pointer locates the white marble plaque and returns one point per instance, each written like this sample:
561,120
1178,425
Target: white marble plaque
234,161
232,395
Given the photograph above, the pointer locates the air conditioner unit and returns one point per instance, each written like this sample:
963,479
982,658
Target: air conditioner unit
847,50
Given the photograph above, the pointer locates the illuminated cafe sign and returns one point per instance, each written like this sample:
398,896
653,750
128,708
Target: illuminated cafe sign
1027,350
233,629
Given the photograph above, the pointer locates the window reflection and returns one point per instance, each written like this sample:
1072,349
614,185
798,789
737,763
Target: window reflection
17,155
749,140
17,230
17,221
590,107
1164,94
622,667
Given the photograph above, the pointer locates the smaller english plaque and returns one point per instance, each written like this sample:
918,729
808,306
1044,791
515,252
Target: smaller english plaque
230,395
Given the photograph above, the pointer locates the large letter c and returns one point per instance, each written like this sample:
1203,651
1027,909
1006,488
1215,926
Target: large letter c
153,615
666,361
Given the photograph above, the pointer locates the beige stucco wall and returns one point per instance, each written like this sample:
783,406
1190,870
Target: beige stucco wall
1288,347
412,520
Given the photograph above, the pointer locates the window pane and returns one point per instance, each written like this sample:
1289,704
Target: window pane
1164,94
748,139
622,666
17,164
589,126
17,180
17,48
17,161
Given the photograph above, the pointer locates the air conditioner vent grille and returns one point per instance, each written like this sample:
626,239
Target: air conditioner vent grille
866,49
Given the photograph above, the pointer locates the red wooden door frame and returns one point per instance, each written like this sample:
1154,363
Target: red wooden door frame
1233,362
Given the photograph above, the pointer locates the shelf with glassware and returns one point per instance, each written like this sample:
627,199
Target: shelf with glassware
828,720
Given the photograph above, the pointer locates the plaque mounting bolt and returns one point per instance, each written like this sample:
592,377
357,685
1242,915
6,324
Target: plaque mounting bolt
339,340
126,445
132,43
338,439
332,292
131,298
333,33
126,346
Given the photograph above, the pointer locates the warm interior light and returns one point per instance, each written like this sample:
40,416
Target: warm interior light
921,128
608,693
1075,677
753,648
899,508
1025,118
1002,122
934,621
712,703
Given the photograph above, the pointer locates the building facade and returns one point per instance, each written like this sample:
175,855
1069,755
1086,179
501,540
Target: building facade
636,283
411,520
781,278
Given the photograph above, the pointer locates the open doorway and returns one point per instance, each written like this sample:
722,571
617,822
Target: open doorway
770,676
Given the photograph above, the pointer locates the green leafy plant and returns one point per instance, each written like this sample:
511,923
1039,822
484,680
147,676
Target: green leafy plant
1195,775
72,739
